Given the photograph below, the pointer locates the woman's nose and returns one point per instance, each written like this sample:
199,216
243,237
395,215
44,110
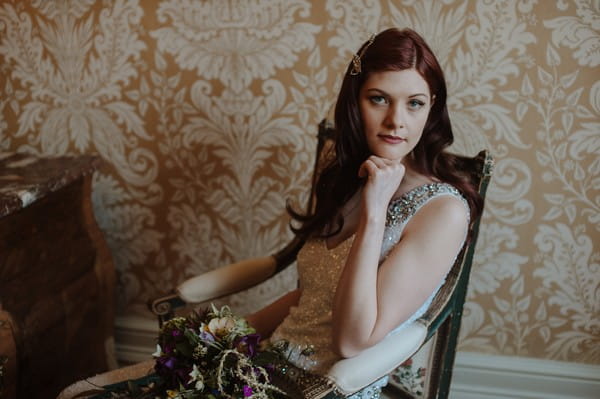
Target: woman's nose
395,117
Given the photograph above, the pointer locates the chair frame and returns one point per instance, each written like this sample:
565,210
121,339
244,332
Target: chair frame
444,315
442,319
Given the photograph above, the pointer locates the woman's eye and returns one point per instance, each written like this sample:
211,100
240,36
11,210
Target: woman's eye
415,104
378,100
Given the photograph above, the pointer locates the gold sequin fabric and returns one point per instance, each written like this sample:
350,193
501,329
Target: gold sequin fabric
308,327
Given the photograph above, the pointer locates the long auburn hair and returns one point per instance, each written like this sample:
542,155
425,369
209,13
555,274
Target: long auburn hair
391,50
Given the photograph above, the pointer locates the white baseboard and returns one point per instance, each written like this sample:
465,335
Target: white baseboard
476,376
481,376
135,339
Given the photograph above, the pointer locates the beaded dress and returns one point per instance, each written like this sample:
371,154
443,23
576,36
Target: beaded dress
308,327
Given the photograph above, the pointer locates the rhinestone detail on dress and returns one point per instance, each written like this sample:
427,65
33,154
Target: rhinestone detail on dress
404,207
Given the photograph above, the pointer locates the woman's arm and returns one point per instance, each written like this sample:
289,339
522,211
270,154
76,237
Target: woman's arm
371,300
266,320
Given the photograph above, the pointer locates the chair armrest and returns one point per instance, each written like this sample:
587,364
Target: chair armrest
353,374
164,307
214,284
227,280
90,385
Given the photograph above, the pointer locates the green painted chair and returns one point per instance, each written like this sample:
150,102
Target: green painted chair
438,327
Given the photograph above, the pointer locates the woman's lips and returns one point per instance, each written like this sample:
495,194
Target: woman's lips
392,139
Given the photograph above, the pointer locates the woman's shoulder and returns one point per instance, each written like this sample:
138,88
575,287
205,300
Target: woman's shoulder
437,222
446,197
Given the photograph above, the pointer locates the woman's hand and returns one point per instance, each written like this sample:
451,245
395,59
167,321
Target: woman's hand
357,288
383,179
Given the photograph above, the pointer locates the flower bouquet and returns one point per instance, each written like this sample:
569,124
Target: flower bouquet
216,355
213,354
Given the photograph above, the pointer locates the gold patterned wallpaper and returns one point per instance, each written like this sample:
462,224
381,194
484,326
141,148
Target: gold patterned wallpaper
206,115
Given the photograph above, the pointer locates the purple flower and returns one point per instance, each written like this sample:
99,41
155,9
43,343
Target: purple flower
172,371
166,362
247,391
164,367
169,348
206,336
248,344
176,333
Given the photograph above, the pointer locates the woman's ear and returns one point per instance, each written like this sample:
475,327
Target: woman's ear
433,99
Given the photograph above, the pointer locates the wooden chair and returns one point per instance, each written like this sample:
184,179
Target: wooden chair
440,323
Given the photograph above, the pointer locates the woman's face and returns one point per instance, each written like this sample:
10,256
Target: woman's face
394,106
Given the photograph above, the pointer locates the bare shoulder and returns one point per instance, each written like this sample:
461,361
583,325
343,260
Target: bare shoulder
444,213
448,207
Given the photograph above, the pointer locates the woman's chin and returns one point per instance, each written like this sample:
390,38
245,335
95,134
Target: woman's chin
390,155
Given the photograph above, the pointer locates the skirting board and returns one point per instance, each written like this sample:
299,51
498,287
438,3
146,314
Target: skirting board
476,376
135,339
481,376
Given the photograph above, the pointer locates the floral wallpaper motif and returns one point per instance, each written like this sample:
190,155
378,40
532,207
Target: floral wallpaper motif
206,114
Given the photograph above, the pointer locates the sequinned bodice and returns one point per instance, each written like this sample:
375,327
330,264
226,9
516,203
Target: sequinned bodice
308,327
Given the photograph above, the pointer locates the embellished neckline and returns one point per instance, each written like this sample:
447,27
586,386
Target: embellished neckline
405,206
411,193
402,208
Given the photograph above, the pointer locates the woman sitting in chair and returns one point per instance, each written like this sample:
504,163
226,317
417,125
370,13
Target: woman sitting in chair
390,213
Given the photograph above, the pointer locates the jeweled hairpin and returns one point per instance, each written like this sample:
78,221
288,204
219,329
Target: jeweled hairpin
356,65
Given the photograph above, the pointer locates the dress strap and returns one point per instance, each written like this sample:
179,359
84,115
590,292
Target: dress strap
403,208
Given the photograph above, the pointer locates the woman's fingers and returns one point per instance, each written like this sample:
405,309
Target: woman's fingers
384,177
378,162
369,167
374,164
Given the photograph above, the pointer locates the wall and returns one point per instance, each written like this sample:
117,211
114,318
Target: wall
206,115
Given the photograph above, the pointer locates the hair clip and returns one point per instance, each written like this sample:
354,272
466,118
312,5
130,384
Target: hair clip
356,65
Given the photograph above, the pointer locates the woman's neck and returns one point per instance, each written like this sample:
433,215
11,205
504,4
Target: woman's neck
411,179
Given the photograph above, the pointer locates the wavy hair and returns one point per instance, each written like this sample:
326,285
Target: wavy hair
391,50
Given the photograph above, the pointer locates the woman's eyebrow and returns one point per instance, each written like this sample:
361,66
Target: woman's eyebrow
377,90
374,89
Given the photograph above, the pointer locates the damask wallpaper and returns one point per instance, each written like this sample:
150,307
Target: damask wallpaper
206,115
